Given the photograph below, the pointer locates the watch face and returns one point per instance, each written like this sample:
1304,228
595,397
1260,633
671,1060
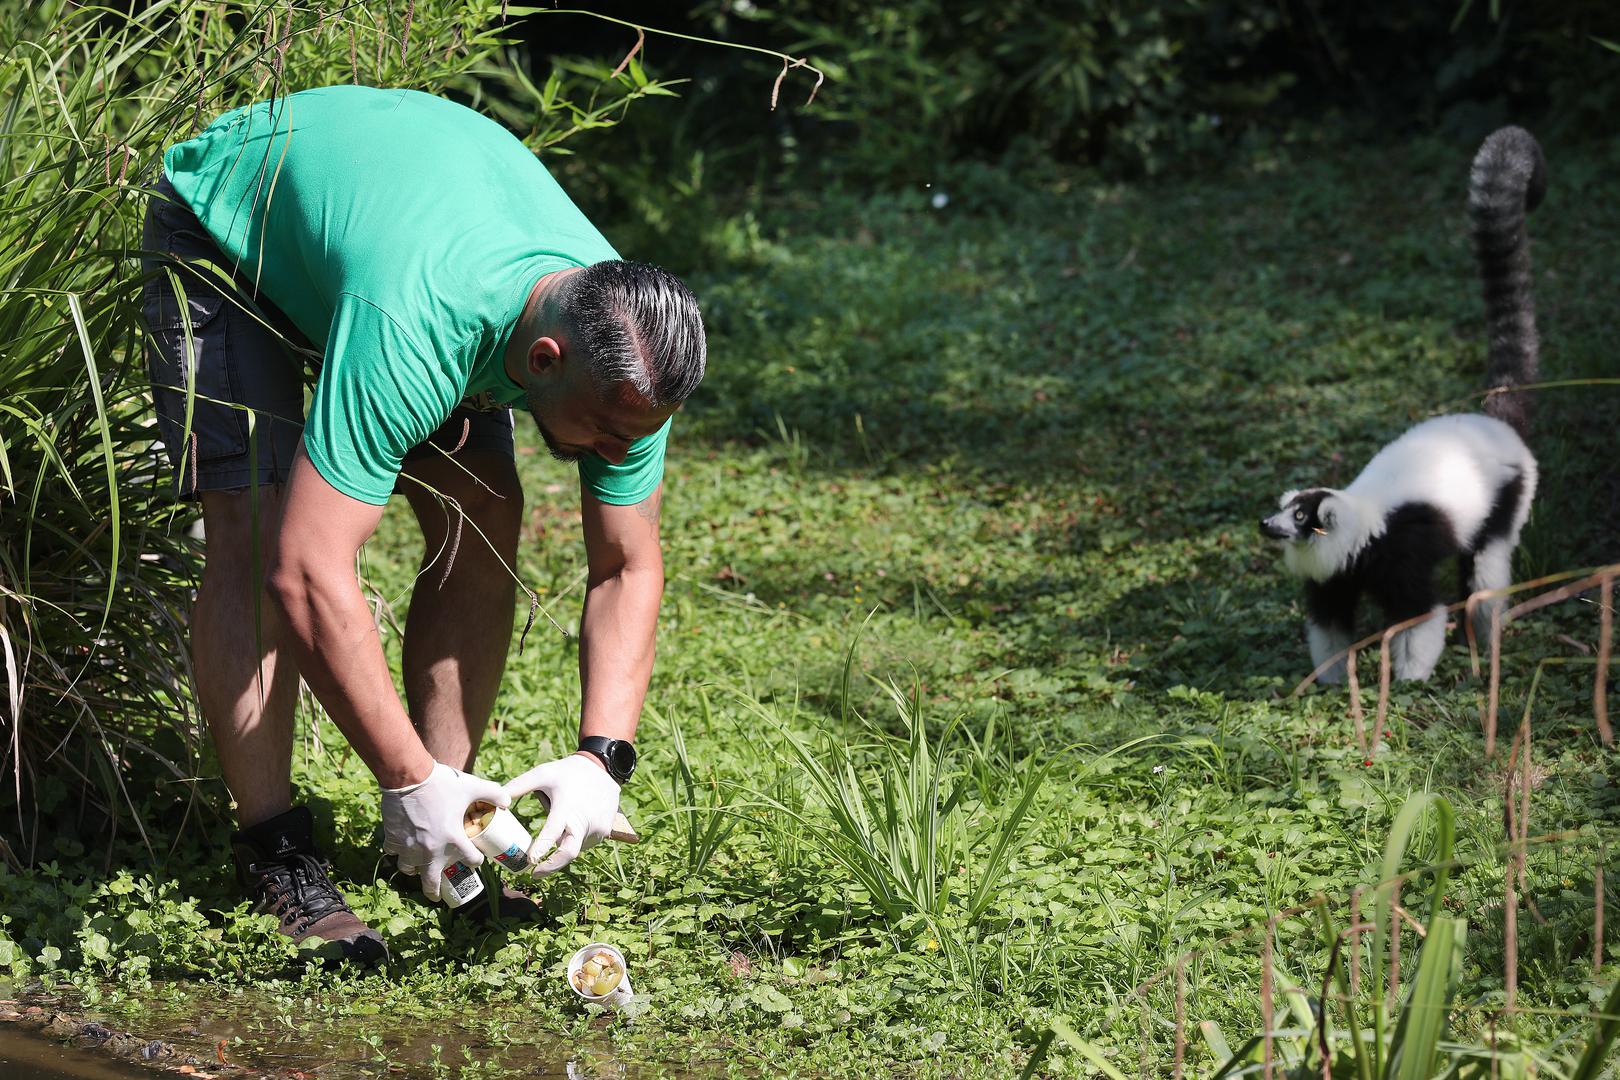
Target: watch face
622,756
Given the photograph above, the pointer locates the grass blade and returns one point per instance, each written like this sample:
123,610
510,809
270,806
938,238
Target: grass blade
1602,1039
106,452
1417,1036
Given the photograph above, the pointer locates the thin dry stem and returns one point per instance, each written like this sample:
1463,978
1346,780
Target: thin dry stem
283,42
455,543
1510,900
1383,696
1591,577
1384,672
641,39
776,87
1353,686
1355,943
1493,690
1468,631
1554,596
1597,910
1411,920
1600,683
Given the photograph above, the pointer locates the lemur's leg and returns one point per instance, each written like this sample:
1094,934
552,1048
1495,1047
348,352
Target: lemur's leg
1416,650
1405,595
1330,628
1403,583
1493,569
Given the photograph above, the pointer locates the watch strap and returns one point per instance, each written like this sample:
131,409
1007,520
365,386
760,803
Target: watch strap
602,747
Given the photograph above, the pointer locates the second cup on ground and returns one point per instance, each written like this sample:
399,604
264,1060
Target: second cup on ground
598,973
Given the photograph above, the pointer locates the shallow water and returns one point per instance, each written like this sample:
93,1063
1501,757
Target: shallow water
32,1055
178,1023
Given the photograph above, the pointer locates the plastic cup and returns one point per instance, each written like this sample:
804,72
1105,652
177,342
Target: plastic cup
503,839
620,994
461,883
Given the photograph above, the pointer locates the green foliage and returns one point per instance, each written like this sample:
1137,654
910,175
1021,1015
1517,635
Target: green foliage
1412,1043
914,85
704,821
916,88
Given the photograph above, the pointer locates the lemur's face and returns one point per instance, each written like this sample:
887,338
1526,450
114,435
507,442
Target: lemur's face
1302,517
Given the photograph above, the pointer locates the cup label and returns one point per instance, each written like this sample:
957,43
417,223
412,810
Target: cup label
513,858
462,879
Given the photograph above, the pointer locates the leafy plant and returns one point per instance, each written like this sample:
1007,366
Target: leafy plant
702,816
901,816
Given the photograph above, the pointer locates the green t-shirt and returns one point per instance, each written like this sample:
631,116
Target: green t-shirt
402,234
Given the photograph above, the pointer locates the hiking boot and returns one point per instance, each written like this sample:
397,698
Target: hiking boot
278,863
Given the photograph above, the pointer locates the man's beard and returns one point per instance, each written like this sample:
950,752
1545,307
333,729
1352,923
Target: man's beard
556,448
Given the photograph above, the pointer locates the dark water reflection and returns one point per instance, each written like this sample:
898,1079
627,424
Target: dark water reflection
32,1055
179,1024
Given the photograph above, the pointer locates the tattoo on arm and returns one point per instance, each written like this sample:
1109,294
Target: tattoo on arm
649,507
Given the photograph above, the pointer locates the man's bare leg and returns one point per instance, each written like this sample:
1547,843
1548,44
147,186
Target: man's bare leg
247,688
459,627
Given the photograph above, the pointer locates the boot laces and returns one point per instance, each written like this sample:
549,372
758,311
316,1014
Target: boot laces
296,888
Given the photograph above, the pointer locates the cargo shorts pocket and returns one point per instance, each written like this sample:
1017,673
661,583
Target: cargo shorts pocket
201,359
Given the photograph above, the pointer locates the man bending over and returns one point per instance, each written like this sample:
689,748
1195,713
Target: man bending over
424,268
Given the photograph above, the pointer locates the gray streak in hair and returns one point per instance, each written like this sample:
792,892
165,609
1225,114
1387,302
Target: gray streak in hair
638,324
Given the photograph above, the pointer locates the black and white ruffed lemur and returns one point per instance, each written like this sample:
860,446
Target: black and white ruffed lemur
1451,487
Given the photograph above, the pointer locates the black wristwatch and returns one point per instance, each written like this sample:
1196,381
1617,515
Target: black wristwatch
618,756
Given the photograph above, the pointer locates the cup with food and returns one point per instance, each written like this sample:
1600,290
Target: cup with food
498,834
461,883
598,973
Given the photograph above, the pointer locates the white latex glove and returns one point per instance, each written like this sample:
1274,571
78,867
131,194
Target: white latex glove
582,799
423,824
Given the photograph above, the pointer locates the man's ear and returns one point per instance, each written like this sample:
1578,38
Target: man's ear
545,356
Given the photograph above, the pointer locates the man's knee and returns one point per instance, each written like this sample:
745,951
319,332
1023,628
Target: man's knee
486,509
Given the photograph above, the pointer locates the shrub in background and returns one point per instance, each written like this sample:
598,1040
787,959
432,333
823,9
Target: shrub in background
917,85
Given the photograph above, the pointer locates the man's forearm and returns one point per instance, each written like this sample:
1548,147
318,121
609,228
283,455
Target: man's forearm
616,650
334,642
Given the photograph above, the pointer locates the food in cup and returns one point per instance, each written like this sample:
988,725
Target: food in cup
599,974
478,817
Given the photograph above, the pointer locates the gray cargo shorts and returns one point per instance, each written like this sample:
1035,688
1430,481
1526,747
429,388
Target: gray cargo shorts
250,368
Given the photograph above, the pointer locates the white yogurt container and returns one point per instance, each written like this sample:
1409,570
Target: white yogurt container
503,839
620,994
461,883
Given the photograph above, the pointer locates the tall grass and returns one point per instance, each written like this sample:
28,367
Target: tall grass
97,729
1363,1021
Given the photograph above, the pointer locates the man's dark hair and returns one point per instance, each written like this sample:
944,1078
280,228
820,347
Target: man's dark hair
636,323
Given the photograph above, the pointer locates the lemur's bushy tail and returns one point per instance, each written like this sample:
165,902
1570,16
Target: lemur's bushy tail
1507,181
